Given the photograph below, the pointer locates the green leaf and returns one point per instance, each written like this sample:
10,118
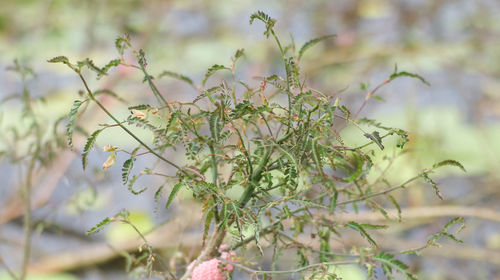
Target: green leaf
208,219
324,239
373,123
90,143
127,167
110,93
90,64
239,53
99,226
403,137
71,123
212,70
143,62
313,42
267,20
173,193
357,172
292,72
105,69
176,76
396,204
375,137
454,221
140,107
333,202
389,262
131,186
362,231
370,226
59,59
346,111
426,177
122,43
449,162
397,74
316,156
157,195
62,59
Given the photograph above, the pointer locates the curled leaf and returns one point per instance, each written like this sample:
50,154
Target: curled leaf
110,161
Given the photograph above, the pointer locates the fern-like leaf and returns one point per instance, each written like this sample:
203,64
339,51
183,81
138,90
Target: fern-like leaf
110,93
428,179
99,226
127,167
91,65
90,143
59,59
397,74
375,137
71,122
388,262
267,20
122,43
173,193
313,42
140,107
239,53
396,204
212,70
449,162
105,69
176,76
361,229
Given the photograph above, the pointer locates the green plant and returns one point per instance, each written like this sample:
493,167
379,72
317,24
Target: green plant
28,144
263,166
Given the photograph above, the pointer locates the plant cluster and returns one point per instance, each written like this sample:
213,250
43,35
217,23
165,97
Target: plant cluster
267,162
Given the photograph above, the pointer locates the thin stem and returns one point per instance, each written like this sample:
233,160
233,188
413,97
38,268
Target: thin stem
290,271
369,94
287,81
129,132
386,191
27,218
150,82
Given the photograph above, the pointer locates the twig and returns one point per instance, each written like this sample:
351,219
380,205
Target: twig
425,213
369,95
28,215
290,271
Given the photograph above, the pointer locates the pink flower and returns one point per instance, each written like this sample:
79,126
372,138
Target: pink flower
213,269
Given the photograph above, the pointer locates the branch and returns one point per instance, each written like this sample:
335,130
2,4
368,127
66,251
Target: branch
290,271
425,213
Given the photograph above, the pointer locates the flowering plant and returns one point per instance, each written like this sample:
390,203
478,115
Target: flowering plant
267,162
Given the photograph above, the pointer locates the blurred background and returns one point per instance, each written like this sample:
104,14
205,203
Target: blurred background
453,44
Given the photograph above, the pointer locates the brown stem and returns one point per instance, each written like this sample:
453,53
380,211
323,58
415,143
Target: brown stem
210,250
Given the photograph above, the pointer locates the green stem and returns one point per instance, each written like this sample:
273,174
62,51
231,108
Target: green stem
255,178
152,85
287,81
28,216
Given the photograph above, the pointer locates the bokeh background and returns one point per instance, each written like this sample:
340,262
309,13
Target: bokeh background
453,44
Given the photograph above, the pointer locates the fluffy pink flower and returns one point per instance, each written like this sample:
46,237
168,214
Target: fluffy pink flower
213,269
